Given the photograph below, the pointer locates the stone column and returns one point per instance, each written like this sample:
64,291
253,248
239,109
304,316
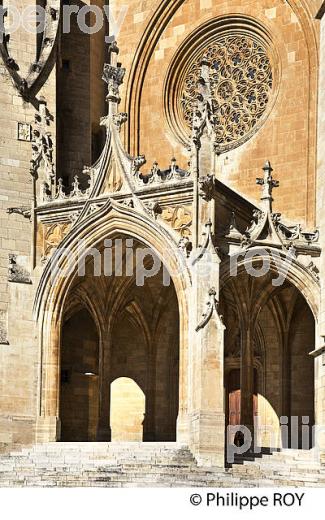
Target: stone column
206,330
208,417
48,427
285,386
247,378
149,422
207,358
183,428
103,429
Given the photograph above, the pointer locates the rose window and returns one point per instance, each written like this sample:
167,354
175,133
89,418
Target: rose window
241,82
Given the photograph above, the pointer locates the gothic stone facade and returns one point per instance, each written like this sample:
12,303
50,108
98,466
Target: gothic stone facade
235,91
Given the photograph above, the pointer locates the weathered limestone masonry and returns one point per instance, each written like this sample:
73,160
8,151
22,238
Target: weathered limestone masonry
40,76
80,97
21,101
169,35
222,98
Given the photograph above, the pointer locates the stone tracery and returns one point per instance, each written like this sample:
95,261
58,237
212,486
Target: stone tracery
241,83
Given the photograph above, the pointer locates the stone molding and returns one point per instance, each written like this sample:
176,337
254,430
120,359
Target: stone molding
29,86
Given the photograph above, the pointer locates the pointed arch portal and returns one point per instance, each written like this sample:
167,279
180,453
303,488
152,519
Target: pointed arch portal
119,359
269,373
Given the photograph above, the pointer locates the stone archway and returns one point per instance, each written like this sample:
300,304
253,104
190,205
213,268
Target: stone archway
53,301
139,330
79,392
270,331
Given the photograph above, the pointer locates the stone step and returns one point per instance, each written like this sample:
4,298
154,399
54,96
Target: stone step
149,464
284,457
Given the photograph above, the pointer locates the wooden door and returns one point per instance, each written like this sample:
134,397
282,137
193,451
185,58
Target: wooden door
234,397
234,407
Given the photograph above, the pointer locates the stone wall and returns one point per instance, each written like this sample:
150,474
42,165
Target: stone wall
320,360
288,136
19,352
149,38
74,93
81,98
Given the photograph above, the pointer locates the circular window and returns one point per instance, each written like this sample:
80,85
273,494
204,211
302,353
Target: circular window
241,83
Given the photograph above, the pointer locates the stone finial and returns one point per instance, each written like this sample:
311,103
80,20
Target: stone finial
76,191
60,190
268,184
113,75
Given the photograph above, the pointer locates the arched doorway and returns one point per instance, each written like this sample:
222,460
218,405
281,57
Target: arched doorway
138,340
127,410
79,395
269,373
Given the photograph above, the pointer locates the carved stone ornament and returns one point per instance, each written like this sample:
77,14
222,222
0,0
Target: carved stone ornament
53,236
154,209
129,203
267,226
114,77
73,217
76,193
179,218
159,176
29,86
25,211
211,307
93,208
24,132
258,217
138,162
42,147
4,328
245,242
233,231
18,271
120,119
314,270
186,246
207,187
241,84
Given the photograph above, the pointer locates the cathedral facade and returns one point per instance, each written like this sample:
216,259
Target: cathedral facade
162,225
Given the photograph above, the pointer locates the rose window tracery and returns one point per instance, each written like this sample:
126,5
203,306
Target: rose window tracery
241,82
